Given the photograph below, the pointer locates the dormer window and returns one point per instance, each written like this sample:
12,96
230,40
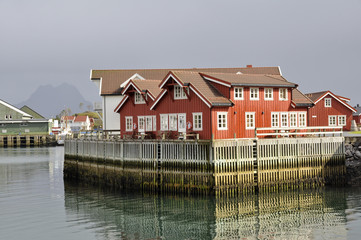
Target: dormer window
138,98
179,92
328,102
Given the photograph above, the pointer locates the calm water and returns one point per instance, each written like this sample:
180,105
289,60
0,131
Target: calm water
36,204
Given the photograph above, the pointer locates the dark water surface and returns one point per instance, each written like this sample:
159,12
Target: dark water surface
36,204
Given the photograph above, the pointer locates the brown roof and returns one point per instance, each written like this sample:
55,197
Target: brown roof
251,79
80,119
300,99
210,93
112,79
315,96
151,85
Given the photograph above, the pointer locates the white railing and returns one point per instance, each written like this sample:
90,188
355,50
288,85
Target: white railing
299,131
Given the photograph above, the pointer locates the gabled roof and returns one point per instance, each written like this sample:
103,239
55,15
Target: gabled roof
68,118
81,118
15,109
149,86
254,80
300,100
112,79
30,111
203,89
318,96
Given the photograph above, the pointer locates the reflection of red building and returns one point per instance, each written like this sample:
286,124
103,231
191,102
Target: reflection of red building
330,110
214,105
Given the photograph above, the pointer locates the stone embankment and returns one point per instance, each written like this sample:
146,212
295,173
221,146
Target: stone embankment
353,163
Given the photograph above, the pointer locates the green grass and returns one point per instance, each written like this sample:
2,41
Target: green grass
357,132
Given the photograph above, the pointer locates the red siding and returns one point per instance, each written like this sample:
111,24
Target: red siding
261,108
188,106
318,115
225,91
357,119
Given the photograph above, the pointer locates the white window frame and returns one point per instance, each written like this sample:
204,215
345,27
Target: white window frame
138,98
149,123
238,93
173,122
302,119
328,102
197,121
254,93
180,127
281,92
223,117
250,120
164,122
141,128
332,120
268,94
284,119
129,124
343,121
179,92
275,116
293,119
154,123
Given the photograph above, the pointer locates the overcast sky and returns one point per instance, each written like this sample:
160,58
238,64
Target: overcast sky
317,44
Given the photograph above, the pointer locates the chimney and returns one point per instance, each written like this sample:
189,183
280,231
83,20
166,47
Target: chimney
249,66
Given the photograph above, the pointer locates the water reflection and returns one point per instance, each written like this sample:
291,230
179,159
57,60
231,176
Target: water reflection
290,215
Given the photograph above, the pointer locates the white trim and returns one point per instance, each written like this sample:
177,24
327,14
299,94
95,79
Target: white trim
296,119
234,93
280,90
226,120
326,105
185,122
200,96
131,125
160,97
182,93
253,122
335,97
194,123
329,122
219,82
175,127
299,119
121,103
139,118
174,78
138,98
279,69
264,92
278,119
136,75
338,120
282,114
160,121
250,94
15,109
131,84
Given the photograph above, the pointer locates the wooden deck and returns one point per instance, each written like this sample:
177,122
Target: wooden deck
207,166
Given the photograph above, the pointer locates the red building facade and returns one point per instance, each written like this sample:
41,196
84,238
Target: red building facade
330,110
212,105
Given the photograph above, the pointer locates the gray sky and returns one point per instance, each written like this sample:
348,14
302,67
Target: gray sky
317,44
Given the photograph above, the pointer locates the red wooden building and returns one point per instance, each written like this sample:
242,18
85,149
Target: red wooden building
214,105
330,110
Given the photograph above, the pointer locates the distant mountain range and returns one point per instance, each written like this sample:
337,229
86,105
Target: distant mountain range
49,101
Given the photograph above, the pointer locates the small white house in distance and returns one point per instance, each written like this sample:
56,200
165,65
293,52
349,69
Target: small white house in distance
76,124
